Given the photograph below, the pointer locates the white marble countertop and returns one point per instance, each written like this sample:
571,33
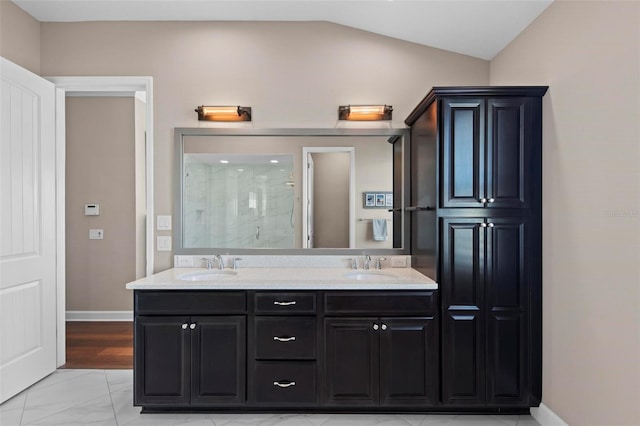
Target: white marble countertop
286,279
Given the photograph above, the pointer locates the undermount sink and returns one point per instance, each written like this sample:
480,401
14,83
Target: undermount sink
209,275
369,275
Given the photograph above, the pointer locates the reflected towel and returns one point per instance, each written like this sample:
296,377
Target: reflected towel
379,229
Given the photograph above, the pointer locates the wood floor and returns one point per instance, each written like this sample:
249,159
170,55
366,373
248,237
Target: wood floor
102,345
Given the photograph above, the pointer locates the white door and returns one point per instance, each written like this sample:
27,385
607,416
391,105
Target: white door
310,206
27,229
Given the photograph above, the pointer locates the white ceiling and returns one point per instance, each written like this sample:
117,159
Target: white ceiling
479,28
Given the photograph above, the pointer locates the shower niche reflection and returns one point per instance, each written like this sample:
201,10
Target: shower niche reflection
239,200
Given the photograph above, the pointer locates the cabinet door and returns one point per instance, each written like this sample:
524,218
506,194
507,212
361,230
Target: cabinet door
462,168
507,320
218,360
351,357
409,361
463,324
161,359
508,155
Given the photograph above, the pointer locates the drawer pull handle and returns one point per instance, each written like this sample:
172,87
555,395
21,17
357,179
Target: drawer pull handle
284,339
284,385
293,302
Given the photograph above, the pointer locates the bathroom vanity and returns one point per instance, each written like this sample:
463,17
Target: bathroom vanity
286,339
467,210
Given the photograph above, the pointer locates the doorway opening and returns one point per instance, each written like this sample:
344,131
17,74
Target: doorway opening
73,94
328,189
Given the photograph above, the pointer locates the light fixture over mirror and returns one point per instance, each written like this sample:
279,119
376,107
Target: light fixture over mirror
365,112
223,113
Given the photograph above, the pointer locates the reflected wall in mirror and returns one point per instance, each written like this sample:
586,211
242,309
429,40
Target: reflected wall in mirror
287,189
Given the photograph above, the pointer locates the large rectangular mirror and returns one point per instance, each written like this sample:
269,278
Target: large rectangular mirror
290,191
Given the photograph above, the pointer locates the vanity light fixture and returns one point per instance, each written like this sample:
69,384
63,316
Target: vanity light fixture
223,113
365,112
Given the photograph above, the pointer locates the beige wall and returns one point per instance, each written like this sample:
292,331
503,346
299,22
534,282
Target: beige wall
19,36
589,55
100,169
141,190
292,74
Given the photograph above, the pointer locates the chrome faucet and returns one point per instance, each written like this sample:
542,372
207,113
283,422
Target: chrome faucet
379,262
220,261
235,262
354,262
367,262
208,263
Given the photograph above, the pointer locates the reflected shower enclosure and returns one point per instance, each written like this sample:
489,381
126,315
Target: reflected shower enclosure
234,200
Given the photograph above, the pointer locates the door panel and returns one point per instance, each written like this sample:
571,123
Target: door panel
409,367
463,326
218,360
27,230
351,358
507,156
462,180
506,273
162,351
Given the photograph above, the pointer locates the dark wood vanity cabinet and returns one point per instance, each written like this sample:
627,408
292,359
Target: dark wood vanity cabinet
486,143
189,360
386,361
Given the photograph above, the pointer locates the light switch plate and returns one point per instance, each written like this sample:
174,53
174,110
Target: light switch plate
163,223
163,243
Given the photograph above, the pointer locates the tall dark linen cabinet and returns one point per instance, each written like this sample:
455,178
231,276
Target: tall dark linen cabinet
476,198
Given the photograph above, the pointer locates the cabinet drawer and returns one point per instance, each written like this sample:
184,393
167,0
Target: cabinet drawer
179,302
290,383
285,338
280,303
380,303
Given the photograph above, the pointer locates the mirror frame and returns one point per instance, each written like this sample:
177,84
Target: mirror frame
181,132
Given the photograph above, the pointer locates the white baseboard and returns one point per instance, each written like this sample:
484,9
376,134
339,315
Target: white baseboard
546,417
99,316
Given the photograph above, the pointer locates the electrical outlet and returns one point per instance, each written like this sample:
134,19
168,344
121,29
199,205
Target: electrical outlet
163,243
184,262
96,234
398,262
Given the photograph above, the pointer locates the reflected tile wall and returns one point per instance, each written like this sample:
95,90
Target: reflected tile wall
238,206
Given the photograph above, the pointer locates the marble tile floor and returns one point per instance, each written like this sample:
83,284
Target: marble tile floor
105,397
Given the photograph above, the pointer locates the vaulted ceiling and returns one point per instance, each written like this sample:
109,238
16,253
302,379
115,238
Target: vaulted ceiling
479,28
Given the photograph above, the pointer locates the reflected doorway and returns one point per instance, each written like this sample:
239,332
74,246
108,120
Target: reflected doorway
328,194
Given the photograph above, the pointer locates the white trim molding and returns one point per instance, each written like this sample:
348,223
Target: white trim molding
546,417
99,316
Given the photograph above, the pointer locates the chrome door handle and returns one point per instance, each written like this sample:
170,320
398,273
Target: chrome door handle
483,225
284,385
483,200
384,326
375,326
284,339
192,326
490,225
293,302
184,326
491,200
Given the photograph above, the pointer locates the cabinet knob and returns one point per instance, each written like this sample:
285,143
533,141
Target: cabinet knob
384,326
483,225
284,384
192,326
284,339
490,225
491,200
375,326
483,200
184,326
